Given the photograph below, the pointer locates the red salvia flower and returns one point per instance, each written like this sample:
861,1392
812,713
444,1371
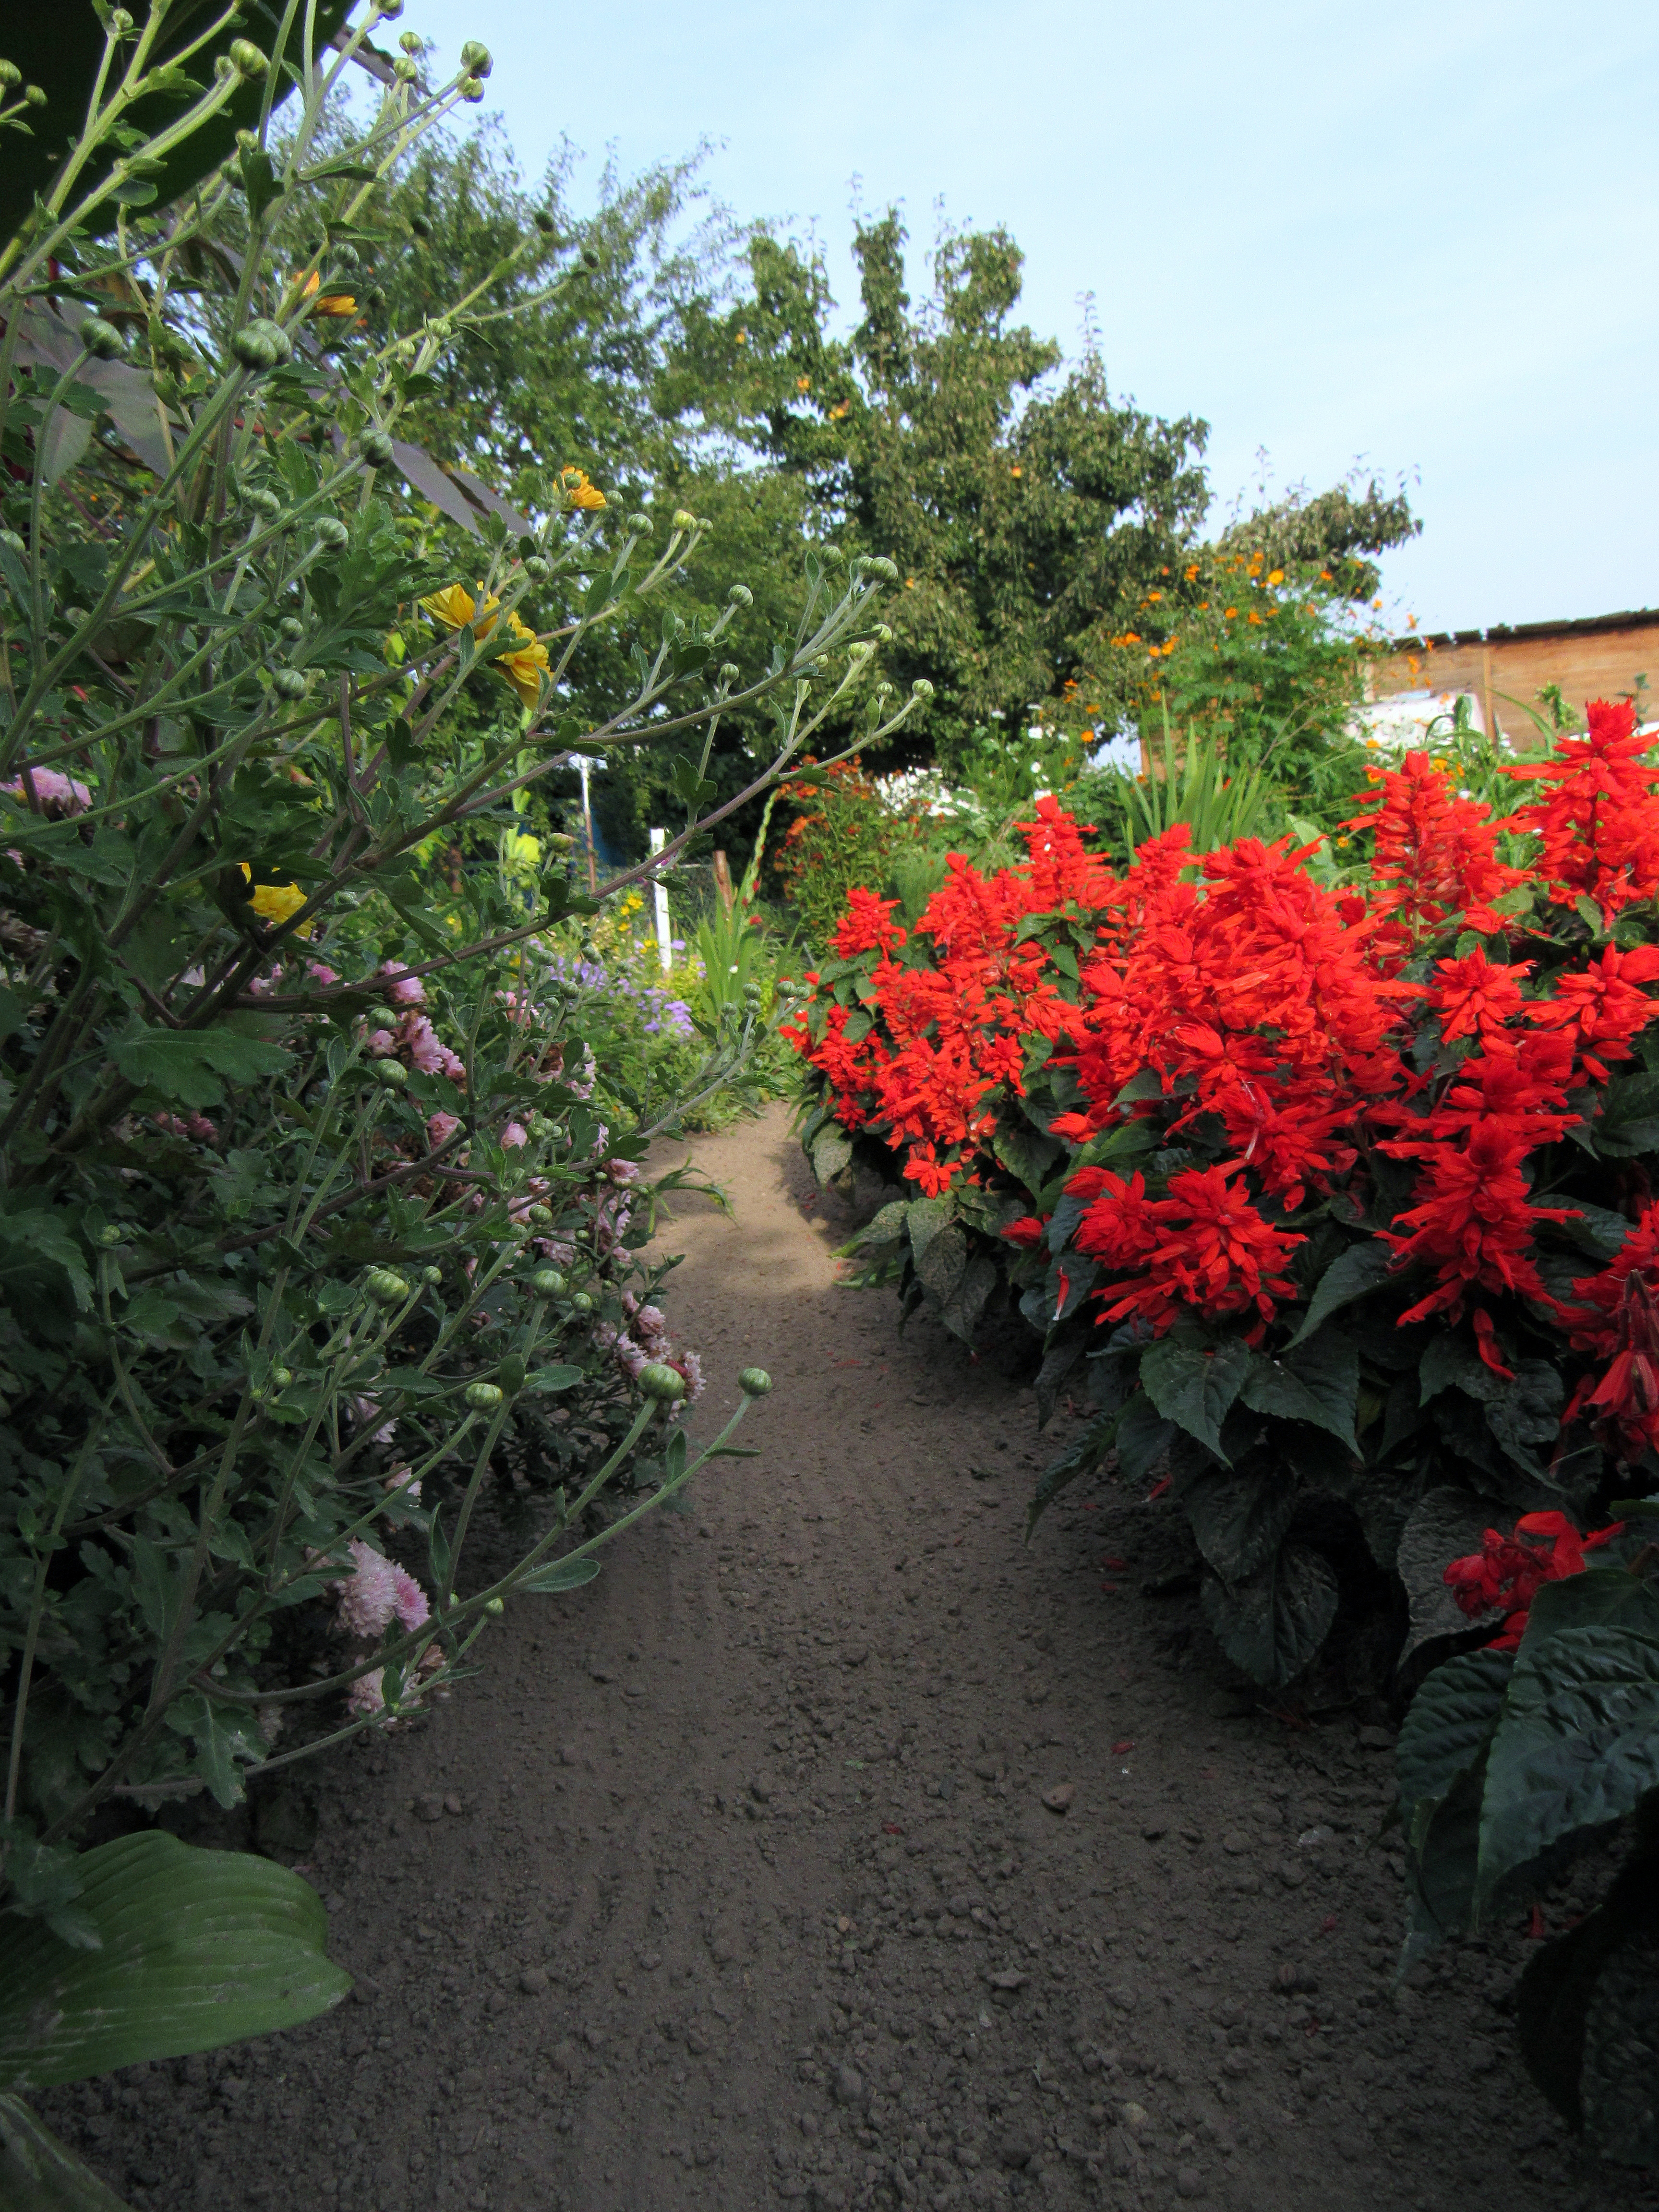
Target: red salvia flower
1509,1570
1598,818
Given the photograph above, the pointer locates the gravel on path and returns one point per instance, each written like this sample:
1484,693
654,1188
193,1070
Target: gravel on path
833,1848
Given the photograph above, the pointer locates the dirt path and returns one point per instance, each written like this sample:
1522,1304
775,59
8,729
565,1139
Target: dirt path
732,1881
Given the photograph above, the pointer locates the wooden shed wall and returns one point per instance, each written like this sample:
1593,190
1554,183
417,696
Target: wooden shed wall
1506,673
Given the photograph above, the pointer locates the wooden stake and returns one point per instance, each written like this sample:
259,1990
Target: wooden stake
723,884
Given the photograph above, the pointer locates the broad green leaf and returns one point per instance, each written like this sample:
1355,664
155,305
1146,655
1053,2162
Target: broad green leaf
1317,1380
924,1218
1445,1524
548,1379
1361,1270
38,2173
561,1575
1448,1721
198,1948
832,1151
1144,1438
186,1064
1087,1449
1629,1120
1451,1362
1441,1867
1195,1386
1239,1514
942,1263
1577,1744
961,1311
1273,1625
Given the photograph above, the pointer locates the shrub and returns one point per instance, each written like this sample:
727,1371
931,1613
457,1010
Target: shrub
306,1200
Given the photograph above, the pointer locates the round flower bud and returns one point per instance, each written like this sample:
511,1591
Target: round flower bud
922,690
390,1075
730,673
265,502
432,1274
120,22
639,522
419,223
496,1604
291,628
386,1288
556,842
663,1383
544,222
590,257
9,76
540,1213
684,519
537,569
281,1377
35,95
409,41
483,1397
247,142
471,88
476,58
739,595
13,543
248,59
100,337
547,1282
262,344
383,1017
582,1303
109,1236
331,533
390,9
289,683
375,447
406,71
754,1382
879,565
883,634
831,556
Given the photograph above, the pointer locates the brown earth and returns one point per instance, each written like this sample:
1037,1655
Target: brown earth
733,1880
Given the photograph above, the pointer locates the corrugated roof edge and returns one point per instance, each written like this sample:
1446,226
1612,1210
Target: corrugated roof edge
1581,626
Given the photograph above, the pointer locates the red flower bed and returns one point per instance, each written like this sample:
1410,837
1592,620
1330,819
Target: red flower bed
1228,1129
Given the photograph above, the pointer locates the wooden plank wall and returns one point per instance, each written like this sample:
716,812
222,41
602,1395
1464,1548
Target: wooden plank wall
1506,673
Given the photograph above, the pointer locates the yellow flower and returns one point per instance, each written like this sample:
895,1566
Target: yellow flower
277,903
330,303
578,490
1227,613
743,338
525,665
1016,471
842,407
802,384
1192,572
1275,575
455,607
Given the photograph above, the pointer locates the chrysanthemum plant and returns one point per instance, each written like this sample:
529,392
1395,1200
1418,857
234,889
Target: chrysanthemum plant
1335,1208
304,1195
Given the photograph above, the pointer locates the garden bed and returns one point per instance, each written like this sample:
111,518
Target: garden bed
731,1881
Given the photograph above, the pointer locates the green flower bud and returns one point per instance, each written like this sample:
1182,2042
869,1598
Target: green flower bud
544,222
684,519
266,503
476,58
883,635
9,76
754,1383
406,72
831,556
581,1303
430,1275
496,1604
383,1017
409,41
262,344
922,690
639,522
100,339
471,88
419,223
390,1075
390,10
730,673
483,1397
109,1236
331,533
879,565
547,1283
291,628
375,447
590,257
13,543
539,1212
386,1288
289,683
35,95
739,595
226,70
663,1383
247,142
120,22
248,59
281,1377
537,569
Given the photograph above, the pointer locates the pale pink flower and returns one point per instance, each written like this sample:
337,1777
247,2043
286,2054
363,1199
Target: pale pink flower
691,1367
514,1135
366,1695
321,973
410,1602
366,1413
622,1171
416,1036
452,1065
58,795
368,1597
403,988
441,1128
650,1325
379,1043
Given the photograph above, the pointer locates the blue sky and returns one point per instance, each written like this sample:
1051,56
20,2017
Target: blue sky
1422,239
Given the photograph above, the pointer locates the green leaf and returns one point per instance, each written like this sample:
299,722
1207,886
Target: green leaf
1451,1362
925,1217
1578,1745
185,1065
1196,1386
885,1228
1445,1524
552,1378
942,1263
1317,1380
1358,1270
1239,1515
1629,1120
198,1948
40,2174
1142,1438
1081,1456
561,1575
1441,1867
1274,1623
1446,1726
832,1152
961,1311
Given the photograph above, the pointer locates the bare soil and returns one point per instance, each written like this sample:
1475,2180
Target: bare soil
735,1879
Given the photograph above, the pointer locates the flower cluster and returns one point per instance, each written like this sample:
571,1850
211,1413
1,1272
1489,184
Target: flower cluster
1403,1062
1508,1572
